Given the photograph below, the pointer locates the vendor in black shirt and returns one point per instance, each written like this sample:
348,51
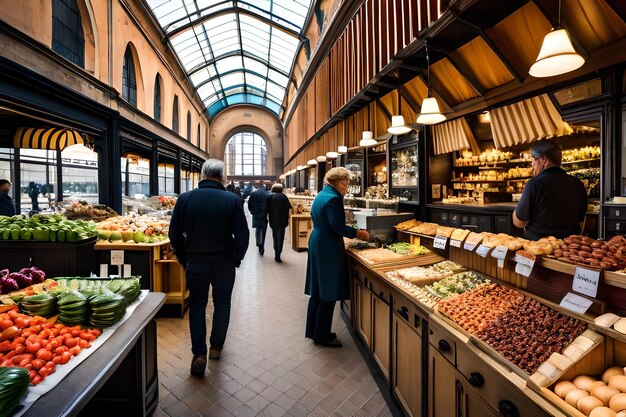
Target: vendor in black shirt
553,203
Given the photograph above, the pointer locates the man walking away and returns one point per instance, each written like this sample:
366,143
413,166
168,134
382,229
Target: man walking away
257,204
278,208
7,208
209,235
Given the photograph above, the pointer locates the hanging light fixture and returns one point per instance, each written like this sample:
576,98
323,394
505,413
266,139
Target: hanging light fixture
430,114
557,55
332,155
342,149
398,127
311,162
367,139
321,158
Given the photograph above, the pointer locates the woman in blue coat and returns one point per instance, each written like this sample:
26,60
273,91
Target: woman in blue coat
326,270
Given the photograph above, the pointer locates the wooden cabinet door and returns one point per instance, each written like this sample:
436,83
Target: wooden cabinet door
407,365
364,321
469,401
441,385
381,341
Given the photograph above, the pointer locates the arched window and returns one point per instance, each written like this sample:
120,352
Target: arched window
198,135
68,39
175,115
189,126
157,98
129,80
246,154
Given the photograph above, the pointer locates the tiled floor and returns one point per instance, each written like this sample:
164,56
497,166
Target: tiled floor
267,367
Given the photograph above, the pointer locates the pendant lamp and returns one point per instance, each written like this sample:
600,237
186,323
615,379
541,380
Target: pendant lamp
331,155
398,127
431,113
342,149
367,139
311,162
557,55
321,158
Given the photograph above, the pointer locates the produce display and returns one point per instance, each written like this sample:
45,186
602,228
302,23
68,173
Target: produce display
419,293
496,314
456,284
43,227
39,345
408,224
167,202
404,248
426,275
14,383
85,211
132,229
13,281
595,395
609,255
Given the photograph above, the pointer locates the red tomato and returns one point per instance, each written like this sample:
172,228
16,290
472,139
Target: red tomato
61,349
33,347
75,350
38,363
65,357
71,342
82,343
36,380
44,354
6,323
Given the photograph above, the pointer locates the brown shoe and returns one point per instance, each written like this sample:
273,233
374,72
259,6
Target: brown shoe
214,353
198,365
332,343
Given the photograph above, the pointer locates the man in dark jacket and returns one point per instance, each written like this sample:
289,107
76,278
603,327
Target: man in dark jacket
7,208
209,235
278,208
257,204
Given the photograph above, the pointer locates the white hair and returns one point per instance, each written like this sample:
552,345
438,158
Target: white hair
213,168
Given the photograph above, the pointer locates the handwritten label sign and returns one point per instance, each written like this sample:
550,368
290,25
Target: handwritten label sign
500,252
483,251
117,257
575,303
440,242
455,243
586,281
524,265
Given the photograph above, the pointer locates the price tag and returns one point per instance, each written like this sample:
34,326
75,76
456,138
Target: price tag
500,252
469,246
483,251
586,281
440,242
117,257
575,303
524,265
455,243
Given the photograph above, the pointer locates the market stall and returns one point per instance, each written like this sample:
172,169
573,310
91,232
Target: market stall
446,333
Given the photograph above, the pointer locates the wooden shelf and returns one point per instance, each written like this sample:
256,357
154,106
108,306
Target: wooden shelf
479,181
519,179
582,161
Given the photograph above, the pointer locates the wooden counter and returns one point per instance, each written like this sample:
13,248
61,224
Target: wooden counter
120,378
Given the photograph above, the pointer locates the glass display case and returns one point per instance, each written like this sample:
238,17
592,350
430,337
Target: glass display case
404,167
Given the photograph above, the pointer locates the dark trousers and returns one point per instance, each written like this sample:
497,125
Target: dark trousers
201,276
278,233
319,319
259,235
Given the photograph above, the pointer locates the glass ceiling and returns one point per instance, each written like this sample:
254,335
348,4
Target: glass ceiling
235,51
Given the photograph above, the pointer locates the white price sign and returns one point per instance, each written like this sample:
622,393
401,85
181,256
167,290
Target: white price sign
469,246
455,243
483,251
524,265
500,252
117,257
440,242
576,303
586,281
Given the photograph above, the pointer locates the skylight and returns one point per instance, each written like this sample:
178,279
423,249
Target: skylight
235,51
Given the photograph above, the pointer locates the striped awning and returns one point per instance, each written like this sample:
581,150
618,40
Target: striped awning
454,135
50,138
527,121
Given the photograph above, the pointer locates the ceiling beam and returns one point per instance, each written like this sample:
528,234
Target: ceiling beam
384,109
235,9
468,77
619,7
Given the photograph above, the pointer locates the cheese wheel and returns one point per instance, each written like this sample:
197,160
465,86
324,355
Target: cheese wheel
604,393
584,382
573,397
602,412
618,402
615,370
586,404
563,388
618,382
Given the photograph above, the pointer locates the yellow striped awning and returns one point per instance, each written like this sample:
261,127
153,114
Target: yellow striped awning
51,138
527,121
451,136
